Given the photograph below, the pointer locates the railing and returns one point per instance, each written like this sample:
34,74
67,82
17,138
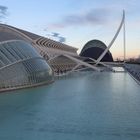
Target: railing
134,70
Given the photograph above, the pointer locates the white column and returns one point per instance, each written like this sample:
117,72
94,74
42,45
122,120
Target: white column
124,37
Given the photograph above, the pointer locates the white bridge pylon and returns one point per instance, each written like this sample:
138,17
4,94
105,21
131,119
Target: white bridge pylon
114,38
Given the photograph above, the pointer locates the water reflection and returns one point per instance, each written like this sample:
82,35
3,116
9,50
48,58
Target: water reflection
86,105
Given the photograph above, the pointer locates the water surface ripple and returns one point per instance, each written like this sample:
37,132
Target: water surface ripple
82,106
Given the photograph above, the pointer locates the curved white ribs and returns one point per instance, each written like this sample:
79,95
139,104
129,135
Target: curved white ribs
114,38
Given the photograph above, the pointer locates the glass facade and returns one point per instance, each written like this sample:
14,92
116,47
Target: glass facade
21,66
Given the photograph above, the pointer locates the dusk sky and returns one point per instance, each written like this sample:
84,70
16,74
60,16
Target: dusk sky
75,22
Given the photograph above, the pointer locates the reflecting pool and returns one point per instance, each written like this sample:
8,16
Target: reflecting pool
81,106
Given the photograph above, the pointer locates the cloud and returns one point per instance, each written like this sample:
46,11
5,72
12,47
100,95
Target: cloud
57,37
62,39
3,12
93,17
55,34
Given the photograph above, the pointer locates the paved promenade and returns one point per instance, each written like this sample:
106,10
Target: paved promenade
134,70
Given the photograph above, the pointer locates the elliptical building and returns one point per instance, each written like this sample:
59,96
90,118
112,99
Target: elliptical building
21,66
94,48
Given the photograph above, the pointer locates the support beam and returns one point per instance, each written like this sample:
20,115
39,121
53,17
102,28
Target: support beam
111,43
76,67
109,67
124,37
54,57
82,63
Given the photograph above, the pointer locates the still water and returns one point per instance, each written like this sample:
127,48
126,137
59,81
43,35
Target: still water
82,106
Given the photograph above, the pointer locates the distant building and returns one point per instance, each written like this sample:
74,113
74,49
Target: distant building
93,49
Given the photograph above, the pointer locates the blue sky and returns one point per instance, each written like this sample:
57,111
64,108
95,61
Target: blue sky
77,21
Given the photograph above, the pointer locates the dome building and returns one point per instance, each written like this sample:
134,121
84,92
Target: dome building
21,66
94,48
